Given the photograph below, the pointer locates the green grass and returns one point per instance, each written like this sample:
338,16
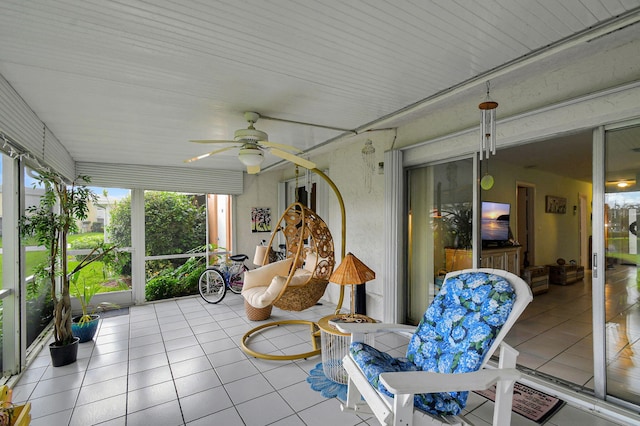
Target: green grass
34,258
91,273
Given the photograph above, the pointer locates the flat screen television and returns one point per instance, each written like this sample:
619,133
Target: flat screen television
494,225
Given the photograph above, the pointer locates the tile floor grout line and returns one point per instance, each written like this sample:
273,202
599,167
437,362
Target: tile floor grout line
166,353
214,371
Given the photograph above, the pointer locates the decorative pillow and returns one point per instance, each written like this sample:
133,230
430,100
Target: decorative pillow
263,296
299,278
310,262
263,275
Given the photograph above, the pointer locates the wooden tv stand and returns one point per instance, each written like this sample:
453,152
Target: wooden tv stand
506,258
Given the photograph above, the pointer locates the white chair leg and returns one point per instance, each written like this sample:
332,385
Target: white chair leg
403,410
353,395
503,404
504,389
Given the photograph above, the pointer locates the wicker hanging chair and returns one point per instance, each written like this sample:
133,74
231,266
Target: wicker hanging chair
309,247
295,283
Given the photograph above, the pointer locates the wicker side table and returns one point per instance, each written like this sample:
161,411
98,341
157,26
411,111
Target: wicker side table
335,345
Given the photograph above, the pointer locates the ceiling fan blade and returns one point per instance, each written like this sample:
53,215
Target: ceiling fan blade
280,145
208,154
293,158
212,141
252,170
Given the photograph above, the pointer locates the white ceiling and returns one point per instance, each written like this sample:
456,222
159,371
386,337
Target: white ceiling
132,81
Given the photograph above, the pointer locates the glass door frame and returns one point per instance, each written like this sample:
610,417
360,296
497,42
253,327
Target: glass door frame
14,302
599,260
598,256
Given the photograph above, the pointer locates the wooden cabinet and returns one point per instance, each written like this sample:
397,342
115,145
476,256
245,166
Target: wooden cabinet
457,259
506,258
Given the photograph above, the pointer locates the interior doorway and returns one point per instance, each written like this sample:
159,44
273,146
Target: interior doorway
585,231
525,218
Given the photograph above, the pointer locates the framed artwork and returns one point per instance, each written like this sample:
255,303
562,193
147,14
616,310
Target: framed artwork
260,219
555,204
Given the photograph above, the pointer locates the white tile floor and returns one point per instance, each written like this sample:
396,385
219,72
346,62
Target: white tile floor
555,333
179,363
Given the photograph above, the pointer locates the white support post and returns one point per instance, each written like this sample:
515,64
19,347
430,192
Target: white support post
137,246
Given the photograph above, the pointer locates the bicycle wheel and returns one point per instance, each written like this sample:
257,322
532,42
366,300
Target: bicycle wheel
211,286
236,279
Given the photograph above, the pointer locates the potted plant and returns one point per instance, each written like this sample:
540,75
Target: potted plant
60,208
84,326
458,219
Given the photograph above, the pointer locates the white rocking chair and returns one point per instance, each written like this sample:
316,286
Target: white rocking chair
446,357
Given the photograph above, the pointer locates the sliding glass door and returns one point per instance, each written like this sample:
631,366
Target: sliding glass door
440,228
621,326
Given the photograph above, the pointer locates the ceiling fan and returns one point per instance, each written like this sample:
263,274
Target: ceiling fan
252,144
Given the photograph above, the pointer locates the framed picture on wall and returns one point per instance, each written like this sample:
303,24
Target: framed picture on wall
260,219
555,204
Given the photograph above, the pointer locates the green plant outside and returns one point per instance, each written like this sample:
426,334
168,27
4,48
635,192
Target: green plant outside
174,224
84,290
182,281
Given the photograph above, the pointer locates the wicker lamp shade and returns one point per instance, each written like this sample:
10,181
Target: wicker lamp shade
352,272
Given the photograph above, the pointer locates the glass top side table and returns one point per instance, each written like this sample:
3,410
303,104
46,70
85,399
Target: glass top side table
335,344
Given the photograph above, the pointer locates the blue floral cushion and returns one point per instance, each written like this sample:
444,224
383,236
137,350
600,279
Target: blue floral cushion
453,337
373,362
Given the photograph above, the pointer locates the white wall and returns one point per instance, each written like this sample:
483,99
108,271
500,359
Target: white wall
259,191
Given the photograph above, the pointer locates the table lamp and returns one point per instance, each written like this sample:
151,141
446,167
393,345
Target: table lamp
352,272
261,252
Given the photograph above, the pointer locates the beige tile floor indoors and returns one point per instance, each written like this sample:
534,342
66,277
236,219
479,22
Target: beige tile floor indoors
555,334
179,363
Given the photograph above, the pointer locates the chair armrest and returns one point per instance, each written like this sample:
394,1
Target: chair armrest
377,327
413,382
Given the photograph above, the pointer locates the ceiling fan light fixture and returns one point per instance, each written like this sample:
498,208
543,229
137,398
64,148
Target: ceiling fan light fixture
251,156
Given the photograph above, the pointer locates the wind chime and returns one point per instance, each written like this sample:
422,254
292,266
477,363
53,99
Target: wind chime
368,157
487,136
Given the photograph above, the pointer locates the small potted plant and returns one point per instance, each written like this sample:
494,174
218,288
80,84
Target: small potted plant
84,326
